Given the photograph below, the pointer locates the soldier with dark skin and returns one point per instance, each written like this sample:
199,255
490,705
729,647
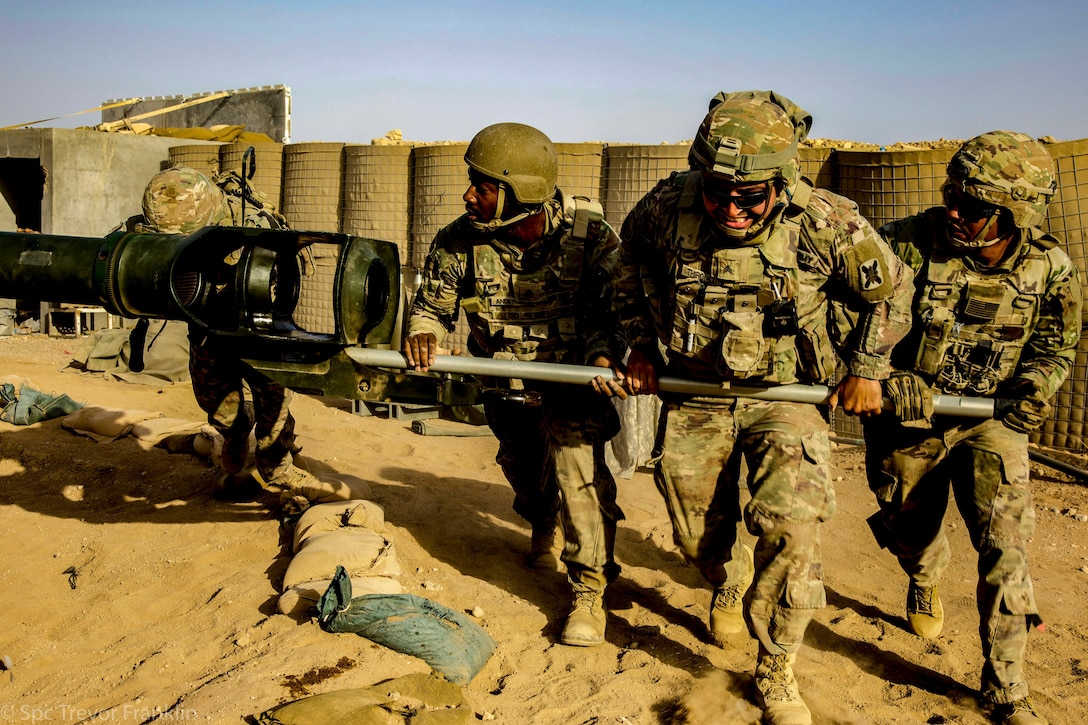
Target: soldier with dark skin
997,314
530,267
725,274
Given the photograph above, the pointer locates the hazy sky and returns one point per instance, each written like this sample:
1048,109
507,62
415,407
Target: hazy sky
634,71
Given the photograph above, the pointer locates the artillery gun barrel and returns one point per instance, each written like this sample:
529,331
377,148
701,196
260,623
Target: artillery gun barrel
584,374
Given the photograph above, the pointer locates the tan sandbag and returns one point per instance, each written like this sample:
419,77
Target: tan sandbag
327,517
298,601
167,432
106,424
360,551
416,699
330,487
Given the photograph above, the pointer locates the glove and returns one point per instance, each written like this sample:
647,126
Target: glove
1025,414
910,396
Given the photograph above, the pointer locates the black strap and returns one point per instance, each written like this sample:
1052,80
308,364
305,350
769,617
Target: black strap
136,340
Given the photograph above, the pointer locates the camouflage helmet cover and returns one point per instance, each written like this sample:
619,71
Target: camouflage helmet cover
1009,169
750,136
181,200
520,156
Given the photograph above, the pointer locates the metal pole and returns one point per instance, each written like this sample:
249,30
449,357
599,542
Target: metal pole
584,374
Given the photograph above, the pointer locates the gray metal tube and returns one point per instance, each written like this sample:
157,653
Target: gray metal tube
584,374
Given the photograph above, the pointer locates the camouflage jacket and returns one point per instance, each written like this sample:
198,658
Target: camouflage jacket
674,283
983,330
548,302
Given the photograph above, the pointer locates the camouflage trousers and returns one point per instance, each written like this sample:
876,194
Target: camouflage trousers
703,448
219,382
986,466
553,456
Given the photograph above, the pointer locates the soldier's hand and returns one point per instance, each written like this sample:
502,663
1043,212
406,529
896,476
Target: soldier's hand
1025,409
911,398
858,396
612,388
421,350
641,377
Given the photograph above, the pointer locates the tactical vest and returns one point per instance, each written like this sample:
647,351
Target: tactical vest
975,326
531,315
736,309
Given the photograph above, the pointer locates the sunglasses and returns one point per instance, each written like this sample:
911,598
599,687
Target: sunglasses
968,207
745,200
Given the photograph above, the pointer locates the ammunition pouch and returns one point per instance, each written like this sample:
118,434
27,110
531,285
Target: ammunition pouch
743,346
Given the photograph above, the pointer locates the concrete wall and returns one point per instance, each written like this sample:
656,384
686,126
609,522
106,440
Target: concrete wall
89,181
266,109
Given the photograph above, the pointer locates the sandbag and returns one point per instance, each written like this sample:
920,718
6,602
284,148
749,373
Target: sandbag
30,406
340,534
416,699
300,601
327,517
451,643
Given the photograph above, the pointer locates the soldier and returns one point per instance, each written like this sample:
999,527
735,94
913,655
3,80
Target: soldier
181,200
725,275
997,314
529,266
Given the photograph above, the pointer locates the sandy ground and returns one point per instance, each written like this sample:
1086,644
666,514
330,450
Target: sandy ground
173,608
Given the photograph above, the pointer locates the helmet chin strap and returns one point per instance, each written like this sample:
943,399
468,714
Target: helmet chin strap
978,241
497,222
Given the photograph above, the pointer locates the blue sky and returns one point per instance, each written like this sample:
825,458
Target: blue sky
622,72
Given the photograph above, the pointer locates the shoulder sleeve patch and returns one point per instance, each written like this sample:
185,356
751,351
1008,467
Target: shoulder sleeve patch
867,270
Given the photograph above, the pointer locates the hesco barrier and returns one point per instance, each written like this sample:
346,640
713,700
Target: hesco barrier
1067,219
204,157
441,179
892,185
580,168
312,178
377,194
267,165
819,166
631,171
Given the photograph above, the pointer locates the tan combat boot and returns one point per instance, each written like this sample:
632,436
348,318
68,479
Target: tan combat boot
545,545
727,606
586,621
925,615
776,691
1018,712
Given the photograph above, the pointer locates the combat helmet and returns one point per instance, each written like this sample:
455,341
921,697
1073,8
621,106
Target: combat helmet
1010,170
517,158
181,200
751,136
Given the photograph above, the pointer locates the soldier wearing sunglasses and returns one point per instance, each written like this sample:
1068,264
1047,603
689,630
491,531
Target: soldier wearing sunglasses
725,274
997,314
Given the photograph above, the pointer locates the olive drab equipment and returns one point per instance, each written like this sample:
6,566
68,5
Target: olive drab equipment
974,326
521,160
532,317
740,313
1010,170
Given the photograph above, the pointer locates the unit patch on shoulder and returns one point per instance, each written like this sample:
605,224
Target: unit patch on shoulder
868,271
871,277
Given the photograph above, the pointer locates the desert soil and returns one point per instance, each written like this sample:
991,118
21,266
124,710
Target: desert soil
172,612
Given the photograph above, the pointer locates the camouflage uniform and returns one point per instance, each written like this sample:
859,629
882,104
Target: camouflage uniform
1008,331
546,304
180,201
754,310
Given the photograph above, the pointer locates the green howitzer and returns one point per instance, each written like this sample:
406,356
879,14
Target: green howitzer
244,286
